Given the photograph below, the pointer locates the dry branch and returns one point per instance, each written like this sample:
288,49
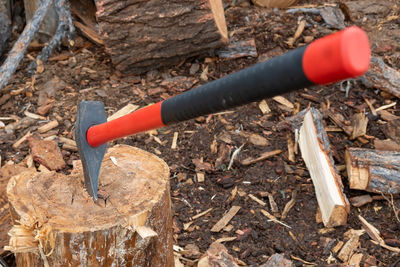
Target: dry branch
316,152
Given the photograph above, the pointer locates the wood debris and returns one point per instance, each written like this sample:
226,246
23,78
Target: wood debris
383,77
388,145
289,205
300,28
21,140
359,201
234,50
46,153
359,124
123,111
264,107
174,140
48,126
256,199
373,170
217,255
225,219
278,260
315,150
263,156
273,218
349,247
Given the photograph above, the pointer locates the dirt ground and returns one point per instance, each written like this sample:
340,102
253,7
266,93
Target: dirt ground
206,145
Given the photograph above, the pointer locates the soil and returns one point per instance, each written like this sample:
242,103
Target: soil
205,145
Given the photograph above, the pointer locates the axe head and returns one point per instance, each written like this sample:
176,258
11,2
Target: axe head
90,113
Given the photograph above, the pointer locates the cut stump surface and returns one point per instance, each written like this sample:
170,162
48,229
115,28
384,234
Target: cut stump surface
58,218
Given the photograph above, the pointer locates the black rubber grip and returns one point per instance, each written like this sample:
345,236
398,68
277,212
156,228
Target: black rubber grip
273,77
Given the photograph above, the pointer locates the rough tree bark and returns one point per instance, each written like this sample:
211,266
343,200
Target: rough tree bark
5,26
60,225
50,21
143,35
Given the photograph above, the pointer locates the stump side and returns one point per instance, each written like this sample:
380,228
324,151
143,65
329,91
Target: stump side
60,219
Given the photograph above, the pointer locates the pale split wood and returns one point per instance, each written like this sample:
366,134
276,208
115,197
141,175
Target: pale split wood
123,111
315,150
256,199
48,126
348,248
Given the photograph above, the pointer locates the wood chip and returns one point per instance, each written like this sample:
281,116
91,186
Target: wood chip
289,205
350,246
283,101
34,116
123,111
259,201
264,107
359,124
225,219
21,140
272,203
263,156
359,201
297,34
291,148
226,239
48,126
200,177
145,232
174,140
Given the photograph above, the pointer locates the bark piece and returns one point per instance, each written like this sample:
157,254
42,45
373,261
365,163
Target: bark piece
46,153
388,145
373,170
382,77
316,152
58,218
148,34
359,201
392,130
233,50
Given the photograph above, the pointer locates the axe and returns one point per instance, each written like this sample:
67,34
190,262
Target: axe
342,55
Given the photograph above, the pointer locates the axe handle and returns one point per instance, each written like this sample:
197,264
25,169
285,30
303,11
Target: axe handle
335,57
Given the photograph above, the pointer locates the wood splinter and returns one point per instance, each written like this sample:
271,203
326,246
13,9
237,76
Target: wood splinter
57,223
315,150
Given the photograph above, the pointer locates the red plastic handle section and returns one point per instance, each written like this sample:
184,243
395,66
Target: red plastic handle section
342,55
141,120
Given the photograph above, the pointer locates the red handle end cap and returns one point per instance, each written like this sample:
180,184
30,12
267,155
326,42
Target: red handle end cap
342,55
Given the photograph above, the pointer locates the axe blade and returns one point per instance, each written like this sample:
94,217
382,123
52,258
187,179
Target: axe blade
90,113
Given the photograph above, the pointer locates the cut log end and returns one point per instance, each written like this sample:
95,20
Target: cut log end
68,224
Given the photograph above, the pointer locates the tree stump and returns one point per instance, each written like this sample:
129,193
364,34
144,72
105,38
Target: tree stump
56,222
145,35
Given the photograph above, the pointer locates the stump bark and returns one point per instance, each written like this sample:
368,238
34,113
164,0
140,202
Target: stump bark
145,35
56,223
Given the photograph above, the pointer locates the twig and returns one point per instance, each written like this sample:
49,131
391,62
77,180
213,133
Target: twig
17,52
234,155
391,203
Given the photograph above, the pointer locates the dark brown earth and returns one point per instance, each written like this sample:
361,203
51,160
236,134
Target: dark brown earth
207,143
